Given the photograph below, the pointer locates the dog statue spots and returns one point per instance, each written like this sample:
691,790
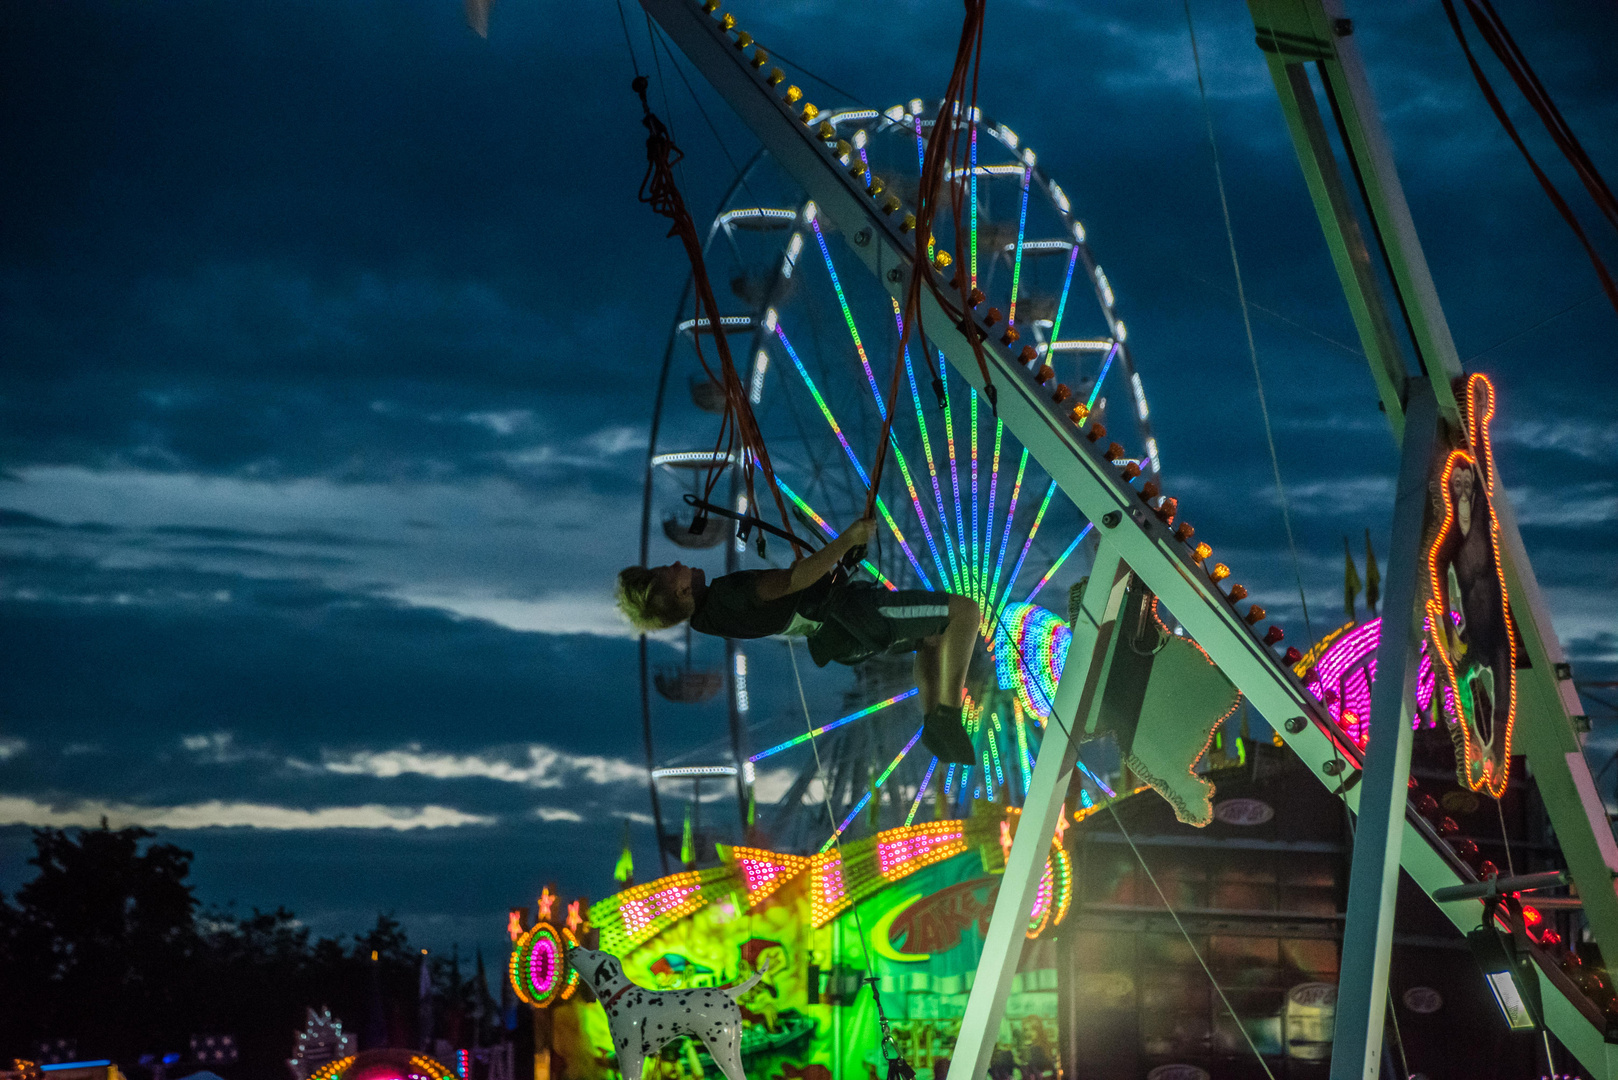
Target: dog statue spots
643,1021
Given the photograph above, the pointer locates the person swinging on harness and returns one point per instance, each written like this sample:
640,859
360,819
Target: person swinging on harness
842,620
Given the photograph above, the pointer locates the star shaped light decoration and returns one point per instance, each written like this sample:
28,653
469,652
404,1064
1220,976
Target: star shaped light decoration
576,921
514,928
547,900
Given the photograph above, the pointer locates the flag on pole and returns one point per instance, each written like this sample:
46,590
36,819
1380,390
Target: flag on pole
1351,582
1373,579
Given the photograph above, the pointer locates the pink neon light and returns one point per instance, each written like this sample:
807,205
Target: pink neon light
897,857
832,890
1343,676
638,914
1043,896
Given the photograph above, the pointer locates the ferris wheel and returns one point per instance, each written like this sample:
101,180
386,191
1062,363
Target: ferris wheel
963,507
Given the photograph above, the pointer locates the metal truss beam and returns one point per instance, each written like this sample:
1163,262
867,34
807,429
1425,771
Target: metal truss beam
1293,34
1145,544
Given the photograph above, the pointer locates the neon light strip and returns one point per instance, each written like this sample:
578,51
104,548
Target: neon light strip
949,780
1005,537
954,471
974,192
994,747
881,406
974,582
988,518
1100,783
876,787
910,817
835,724
1016,265
1095,391
987,775
1022,748
1029,542
1057,565
1061,305
825,411
848,317
830,532
927,448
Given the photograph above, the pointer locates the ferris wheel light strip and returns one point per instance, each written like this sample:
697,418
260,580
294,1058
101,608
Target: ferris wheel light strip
1061,305
1028,542
1016,264
1060,559
1005,540
988,519
835,724
825,410
831,532
848,316
876,787
927,449
954,470
973,581
881,406
1095,391
1022,747
974,185
921,791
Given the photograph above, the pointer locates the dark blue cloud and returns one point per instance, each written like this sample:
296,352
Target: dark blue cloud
325,323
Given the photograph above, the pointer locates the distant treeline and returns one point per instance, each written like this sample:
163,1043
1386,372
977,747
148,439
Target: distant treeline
107,948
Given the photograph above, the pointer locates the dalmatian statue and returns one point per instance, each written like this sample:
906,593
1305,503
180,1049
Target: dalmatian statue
642,1021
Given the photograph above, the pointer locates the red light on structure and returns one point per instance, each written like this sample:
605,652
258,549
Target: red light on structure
1531,916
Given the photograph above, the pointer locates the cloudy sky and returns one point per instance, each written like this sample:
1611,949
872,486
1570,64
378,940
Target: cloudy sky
329,338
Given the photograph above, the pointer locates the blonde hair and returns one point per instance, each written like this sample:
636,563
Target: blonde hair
645,602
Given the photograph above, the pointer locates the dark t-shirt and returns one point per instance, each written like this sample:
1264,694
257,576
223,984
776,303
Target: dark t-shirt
731,606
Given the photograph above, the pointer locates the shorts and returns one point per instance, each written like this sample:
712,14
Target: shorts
861,619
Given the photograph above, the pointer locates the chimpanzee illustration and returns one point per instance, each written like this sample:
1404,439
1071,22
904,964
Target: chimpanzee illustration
1468,616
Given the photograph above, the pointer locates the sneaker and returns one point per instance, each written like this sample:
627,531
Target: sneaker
943,733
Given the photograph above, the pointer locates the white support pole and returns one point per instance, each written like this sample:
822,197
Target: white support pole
1077,693
1373,882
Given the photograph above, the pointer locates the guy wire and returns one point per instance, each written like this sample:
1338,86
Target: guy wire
629,44
1247,325
825,791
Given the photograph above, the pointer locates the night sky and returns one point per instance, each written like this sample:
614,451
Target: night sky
329,338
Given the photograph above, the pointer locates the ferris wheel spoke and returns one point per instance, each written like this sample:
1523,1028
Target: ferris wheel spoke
1021,725
973,172
1016,263
974,582
876,787
830,532
927,450
1061,303
1005,540
1106,365
825,411
1057,565
988,518
954,470
799,740
1027,543
921,791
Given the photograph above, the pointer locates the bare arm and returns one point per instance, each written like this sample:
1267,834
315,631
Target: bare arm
806,571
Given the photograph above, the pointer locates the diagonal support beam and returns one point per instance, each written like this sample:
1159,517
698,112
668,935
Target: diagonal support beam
1373,886
1078,694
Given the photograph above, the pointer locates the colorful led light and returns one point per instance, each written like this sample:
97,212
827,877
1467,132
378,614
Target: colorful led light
901,852
1106,365
1341,679
921,791
824,527
876,787
927,450
763,872
538,968
1028,542
825,411
1030,649
1057,565
1005,539
797,740
1016,265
